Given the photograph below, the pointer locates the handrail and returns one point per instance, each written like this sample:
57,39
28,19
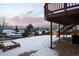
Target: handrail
65,29
59,6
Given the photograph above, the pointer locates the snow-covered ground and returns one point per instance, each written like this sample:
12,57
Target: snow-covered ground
39,43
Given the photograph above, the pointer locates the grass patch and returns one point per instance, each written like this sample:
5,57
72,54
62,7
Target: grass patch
66,48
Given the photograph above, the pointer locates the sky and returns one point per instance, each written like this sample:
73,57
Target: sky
22,14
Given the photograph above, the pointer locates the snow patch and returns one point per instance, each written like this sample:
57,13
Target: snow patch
39,43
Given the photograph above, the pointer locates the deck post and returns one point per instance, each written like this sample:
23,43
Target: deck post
65,8
51,35
59,33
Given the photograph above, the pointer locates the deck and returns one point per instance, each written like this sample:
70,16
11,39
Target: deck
62,13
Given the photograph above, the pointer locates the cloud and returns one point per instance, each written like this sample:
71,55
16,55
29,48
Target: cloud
23,14
29,12
33,13
25,21
12,10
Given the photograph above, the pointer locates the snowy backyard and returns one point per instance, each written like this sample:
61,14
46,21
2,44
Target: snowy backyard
40,44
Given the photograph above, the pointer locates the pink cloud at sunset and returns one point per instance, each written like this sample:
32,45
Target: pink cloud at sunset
25,21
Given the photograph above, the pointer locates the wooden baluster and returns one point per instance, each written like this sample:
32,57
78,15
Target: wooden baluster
57,6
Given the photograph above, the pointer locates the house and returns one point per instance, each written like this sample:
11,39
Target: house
8,32
12,33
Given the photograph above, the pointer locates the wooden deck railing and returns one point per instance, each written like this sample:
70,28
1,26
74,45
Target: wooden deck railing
59,6
54,7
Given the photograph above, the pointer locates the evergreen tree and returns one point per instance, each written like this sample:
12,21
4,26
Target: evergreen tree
1,29
28,30
16,29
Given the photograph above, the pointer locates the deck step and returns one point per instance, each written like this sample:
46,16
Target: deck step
64,29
